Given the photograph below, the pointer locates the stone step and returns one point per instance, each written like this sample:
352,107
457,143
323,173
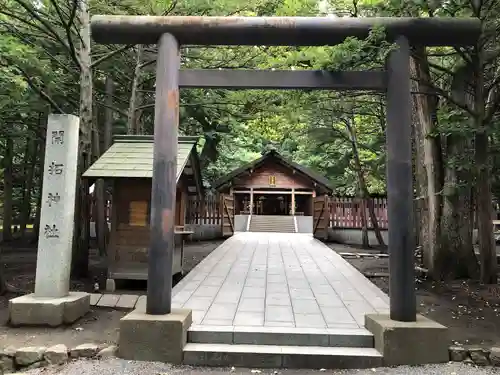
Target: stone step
326,337
292,225
272,227
280,230
274,224
271,220
275,356
269,224
271,231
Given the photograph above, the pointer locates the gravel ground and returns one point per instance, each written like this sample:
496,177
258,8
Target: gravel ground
119,367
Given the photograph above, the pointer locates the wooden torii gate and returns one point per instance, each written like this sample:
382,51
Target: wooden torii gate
171,32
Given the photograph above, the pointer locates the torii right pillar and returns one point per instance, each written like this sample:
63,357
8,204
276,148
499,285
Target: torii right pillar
403,336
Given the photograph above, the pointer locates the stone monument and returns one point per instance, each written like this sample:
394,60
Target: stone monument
52,303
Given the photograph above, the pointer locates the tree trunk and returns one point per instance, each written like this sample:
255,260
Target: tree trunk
132,123
42,121
29,171
108,115
108,139
429,144
80,263
456,258
419,181
365,195
8,188
365,240
3,286
138,123
487,248
22,207
373,219
100,201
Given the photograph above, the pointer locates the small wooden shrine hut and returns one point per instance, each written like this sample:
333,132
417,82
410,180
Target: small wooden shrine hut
128,166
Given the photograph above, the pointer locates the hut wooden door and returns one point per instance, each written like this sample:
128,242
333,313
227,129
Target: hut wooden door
321,216
227,209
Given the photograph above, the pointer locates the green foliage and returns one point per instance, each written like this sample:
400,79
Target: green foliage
39,67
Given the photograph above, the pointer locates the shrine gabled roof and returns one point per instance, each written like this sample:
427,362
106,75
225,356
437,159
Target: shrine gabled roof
132,157
309,173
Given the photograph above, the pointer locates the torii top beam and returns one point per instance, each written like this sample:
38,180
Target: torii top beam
280,31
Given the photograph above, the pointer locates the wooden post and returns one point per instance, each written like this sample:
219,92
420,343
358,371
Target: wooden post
400,185
293,202
211,211
163,194
251,201
182,203
312,203
111,253
203,210
221,212
326,216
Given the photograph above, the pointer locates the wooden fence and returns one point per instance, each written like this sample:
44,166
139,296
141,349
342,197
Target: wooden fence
348,212
205,211
345,213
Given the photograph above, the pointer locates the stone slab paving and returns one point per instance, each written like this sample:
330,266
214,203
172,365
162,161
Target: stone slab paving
141,303
270,280
118,301
127,301
108,300
278,280
94,298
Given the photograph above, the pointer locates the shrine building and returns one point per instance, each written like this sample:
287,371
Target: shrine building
273,186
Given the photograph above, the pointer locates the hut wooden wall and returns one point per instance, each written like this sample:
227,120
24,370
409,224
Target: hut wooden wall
131,208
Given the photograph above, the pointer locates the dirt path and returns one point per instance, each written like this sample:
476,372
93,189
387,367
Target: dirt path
100,326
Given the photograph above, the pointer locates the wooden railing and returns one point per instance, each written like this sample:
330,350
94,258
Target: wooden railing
348,212
345,212
203,211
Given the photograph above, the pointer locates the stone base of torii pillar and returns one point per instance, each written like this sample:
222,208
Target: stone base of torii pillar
52,303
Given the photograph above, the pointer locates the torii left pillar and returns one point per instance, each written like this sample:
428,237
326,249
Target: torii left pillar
159,333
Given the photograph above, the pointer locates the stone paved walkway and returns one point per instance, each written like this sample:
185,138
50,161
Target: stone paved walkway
277,280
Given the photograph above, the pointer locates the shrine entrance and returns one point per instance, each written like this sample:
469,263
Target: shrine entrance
272,204
171,32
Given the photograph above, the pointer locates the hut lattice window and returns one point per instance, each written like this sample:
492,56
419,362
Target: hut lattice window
138,213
